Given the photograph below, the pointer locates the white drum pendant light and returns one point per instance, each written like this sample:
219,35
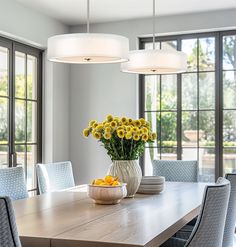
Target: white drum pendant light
88,48
155,61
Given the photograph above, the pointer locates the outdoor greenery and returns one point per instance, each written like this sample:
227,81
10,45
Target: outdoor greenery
165,99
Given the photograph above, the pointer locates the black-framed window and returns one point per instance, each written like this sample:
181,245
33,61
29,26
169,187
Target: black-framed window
194,113
20,107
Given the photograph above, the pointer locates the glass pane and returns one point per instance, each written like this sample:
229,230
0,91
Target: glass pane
168,123
153,118
149,46
168,153
20,121
229,89
150,154
31,121
206,164
207,128
189,91
206,54
3,120
3,156
169,92
152,93
20,77
31,77
169,45
189,154
31,161
229,160
207,90
189,129
229,128
20,155
4,71
189,46
229,52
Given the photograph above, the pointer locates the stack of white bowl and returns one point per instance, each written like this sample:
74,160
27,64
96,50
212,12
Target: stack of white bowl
151,185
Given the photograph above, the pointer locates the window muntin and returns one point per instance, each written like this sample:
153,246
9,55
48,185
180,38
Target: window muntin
199,123
20,108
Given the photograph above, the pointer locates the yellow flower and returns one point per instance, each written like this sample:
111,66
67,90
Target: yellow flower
137,123
108,129
144,130
92,122
142,121
106,125
99,127
136,137
121,127
128,128
124,120
145,137
95,125
107,135
86,132
154,136
130,121
128,135
96,135
104,122
135,129
120,133
117,119
109,118
113,124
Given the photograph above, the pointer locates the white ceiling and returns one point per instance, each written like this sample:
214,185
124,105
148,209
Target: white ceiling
73,12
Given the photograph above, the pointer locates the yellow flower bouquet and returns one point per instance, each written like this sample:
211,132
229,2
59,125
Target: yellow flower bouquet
123,138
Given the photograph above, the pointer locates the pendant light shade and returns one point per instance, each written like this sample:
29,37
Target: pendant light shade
167,61
88,48
155,62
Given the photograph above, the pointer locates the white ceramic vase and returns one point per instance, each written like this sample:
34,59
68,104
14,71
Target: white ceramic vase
129,172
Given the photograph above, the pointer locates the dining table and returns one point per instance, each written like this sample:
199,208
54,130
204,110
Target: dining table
69,218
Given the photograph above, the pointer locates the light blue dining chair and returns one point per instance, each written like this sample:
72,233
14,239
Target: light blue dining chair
8,231
54,176
209,228
176,170
12,183
230,223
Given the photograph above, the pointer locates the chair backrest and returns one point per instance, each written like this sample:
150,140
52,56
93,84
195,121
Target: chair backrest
176,170
12,183
209,228
231,213
55,176
8,231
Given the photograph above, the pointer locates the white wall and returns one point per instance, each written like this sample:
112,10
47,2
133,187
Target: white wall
97,90
33,28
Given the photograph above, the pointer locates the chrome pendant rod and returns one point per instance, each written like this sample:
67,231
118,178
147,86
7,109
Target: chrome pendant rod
88,16
153,24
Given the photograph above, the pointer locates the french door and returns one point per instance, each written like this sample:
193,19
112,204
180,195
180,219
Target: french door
20,108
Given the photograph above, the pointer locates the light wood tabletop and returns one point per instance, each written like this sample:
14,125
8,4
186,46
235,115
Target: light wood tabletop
69,218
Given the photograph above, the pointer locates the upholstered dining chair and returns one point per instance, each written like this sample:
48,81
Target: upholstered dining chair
209,228
8,231
54,176
230,222
176,170
12,183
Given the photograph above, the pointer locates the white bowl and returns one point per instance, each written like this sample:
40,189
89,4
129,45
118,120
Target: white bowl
107,194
